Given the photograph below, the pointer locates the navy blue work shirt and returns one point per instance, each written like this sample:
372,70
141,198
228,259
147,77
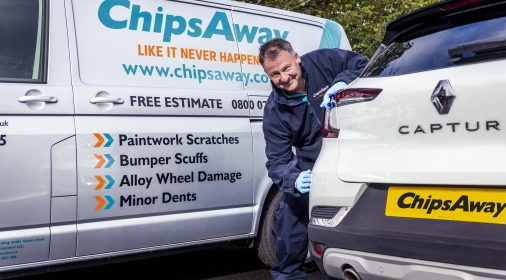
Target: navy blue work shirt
296,122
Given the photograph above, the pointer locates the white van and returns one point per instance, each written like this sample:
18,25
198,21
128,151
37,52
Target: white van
135,126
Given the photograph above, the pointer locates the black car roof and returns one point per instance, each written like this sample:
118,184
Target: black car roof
443,13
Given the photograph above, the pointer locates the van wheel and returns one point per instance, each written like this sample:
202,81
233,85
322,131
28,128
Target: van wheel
266,242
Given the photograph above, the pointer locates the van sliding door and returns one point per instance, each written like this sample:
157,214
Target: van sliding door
164,157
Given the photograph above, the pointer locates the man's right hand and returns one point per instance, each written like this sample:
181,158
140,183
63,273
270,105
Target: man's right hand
303,182
329,101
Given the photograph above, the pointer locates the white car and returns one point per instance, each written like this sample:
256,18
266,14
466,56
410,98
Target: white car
410,179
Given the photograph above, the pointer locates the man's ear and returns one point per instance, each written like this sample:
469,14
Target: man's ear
297,57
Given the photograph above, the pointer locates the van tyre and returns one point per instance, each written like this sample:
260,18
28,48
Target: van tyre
266,242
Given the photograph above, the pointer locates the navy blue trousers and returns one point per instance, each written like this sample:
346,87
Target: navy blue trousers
292,219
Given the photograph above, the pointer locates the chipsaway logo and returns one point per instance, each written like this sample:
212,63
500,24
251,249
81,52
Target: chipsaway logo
411,200
476,205
158,21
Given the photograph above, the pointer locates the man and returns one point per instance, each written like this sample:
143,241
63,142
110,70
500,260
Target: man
292,117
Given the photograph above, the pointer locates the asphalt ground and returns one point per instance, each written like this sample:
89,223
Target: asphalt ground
215,264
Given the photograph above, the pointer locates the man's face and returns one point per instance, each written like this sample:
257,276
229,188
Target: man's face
285,72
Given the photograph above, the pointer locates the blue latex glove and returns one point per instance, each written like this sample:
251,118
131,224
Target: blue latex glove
328,99
303,182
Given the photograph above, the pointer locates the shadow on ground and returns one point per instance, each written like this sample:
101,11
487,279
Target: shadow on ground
216,264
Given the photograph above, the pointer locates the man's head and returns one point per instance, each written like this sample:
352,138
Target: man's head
282,64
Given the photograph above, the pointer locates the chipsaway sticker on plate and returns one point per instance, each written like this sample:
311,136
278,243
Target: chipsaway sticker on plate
454,204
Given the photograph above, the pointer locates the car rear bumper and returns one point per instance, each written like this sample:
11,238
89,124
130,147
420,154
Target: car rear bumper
379,267
366,228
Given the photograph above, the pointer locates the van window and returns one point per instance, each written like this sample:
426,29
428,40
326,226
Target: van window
471,43
21,30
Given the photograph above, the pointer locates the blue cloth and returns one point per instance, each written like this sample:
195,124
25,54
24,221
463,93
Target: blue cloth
329,101
293,122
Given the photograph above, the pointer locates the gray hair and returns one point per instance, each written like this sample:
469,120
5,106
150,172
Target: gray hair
270,49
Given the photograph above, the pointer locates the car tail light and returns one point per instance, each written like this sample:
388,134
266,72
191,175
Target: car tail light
328,130
347,97
458,4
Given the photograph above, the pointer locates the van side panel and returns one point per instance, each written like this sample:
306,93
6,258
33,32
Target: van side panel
173,161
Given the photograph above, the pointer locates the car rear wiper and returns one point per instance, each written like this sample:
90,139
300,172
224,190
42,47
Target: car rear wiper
490,46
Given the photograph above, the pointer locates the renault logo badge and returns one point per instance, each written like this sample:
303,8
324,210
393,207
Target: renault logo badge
442,97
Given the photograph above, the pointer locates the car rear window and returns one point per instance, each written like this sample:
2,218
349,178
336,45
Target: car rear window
471,43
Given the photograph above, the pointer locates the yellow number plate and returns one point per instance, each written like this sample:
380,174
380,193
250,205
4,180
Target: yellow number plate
454,204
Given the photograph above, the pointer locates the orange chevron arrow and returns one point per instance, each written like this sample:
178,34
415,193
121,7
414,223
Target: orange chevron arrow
101,203
101,182
101,161
100,140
